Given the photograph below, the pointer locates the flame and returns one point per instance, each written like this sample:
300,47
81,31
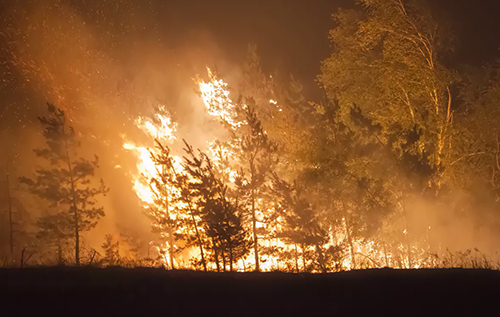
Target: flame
215,96
159,127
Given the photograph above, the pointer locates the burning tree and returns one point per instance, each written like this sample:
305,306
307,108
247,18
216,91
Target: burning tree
67,183
221,221
256,160
303,226
165,211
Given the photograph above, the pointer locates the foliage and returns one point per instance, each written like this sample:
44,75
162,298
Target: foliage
66,182
222,224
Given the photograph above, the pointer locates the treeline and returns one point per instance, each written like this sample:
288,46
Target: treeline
403,149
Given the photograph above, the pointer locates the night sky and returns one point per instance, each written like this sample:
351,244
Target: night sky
291,35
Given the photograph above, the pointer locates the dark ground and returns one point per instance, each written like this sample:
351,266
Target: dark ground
155,292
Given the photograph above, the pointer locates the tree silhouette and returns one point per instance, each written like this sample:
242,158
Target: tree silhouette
257,159
228,240
67,182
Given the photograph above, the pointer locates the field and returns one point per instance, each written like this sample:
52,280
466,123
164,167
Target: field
69,291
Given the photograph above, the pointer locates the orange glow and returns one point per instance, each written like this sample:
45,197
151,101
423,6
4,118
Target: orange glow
217,101
215,95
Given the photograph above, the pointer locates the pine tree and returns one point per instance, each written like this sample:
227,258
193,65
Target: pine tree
165,214
111,251
227,238
188,198
302,224
67,182
15,222
56,231
257,159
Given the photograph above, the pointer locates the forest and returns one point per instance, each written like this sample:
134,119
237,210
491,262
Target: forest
397,165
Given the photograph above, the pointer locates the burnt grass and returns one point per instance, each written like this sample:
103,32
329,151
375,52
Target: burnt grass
86,291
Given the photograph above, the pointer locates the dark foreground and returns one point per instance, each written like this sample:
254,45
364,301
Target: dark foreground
155,292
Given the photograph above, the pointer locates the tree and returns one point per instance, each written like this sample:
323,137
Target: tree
257,159
111,250
476,156
55,231
165,212
387,60
222,224
188,198
303,226
67,182
14,222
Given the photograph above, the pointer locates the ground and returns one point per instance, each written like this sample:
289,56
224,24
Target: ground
69,291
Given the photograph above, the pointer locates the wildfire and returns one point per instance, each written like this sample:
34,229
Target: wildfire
215,95
216,98
160,127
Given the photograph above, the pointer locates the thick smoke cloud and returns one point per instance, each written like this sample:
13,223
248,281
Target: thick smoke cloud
105,63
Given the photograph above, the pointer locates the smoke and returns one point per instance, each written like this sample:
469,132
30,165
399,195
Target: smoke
108,62
105,63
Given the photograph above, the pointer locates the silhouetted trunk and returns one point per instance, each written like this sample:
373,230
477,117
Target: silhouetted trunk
321,258
303,257
74,204
254,227
216,255
254,217
11,223
350,242
385,255
296,258
75,211
223,254
230,256
171,247
171,239
198,237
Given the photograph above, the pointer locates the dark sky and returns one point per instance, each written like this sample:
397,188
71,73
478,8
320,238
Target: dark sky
292,34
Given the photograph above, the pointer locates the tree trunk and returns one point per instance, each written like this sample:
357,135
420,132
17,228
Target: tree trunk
75,209
223,254
171,239
296,258
385,255
254,217
321,259
216,255
350,242
304,257
11,223
198,237
230,256
255,240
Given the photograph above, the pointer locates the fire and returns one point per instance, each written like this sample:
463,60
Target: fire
217,101
160,127
215,95
146,170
